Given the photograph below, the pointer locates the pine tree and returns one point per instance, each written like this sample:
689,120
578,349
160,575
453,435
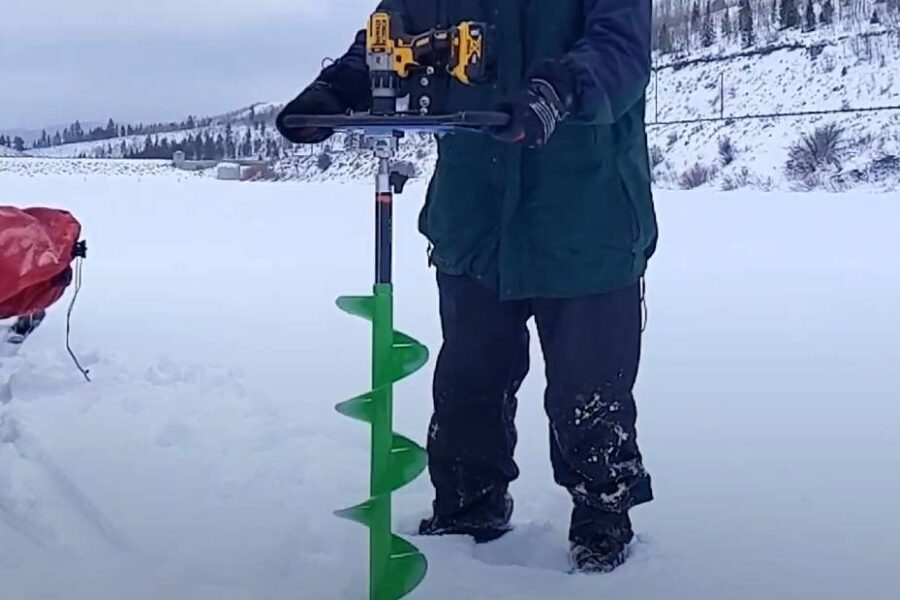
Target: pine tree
19,144
695,16
3,141
247,145
708,32
745,24
876,19
810,20
665,39
57,139
789,15
826,16
219,147
230,150
726,25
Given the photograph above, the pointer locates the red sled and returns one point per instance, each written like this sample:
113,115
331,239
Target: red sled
37,247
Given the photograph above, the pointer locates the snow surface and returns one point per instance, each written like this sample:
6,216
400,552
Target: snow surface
205,459
6,152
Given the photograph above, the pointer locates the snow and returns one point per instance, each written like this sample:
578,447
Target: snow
831,72
6,152
205,459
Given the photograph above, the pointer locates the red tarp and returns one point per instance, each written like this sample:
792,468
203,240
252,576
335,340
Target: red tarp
36,249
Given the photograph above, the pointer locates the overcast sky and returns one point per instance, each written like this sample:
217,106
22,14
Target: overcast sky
154,60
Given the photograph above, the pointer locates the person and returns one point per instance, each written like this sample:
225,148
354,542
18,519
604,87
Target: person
550,217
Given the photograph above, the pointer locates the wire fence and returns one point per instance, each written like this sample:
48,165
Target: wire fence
790,114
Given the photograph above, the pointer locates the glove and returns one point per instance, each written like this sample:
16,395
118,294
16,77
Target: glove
536,111
317,99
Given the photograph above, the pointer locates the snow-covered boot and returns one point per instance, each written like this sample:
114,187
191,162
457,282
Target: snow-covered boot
603,557
600,543
484,523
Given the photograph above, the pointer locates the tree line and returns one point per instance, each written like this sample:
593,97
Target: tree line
16,143
76,132
252,142
682,25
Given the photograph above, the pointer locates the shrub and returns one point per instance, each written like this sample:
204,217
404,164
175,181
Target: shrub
726,151
324,161
821,150
656,156
885,166
695,176
737,180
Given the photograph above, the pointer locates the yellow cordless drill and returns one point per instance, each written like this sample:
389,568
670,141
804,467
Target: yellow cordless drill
407,71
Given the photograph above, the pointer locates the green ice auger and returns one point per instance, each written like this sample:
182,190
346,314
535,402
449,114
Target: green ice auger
396,567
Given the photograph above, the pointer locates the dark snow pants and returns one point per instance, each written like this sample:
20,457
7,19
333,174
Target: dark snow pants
591,347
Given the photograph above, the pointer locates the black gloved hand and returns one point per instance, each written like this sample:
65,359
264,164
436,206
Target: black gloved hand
317,99
536,111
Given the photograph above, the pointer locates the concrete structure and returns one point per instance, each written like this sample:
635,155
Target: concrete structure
230,170
180,162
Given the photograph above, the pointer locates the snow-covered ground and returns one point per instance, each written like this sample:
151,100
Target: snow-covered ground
205,459
6,152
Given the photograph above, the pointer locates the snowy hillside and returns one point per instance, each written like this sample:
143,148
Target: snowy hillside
816,75
205,459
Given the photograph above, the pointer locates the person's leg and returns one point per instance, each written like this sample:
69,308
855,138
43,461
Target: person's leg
592,350
482,363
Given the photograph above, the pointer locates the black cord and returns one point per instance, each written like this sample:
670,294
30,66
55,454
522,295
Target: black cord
85,372
645,312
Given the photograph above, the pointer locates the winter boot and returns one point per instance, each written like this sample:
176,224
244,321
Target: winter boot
485,522
599,540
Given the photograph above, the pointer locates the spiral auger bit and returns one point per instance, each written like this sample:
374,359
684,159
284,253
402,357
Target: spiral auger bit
396,567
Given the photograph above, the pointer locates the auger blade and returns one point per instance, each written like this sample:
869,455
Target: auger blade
358,514
408,460
407,569
409,355
358,306
359,408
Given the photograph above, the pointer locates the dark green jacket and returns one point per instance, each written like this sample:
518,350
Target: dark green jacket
573,218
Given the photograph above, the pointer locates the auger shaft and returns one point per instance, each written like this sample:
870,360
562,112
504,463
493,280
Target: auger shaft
382,439
384,204
382,376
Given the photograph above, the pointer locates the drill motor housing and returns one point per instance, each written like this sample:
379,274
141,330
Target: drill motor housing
409,74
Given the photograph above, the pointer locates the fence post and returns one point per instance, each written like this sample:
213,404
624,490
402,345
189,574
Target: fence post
656,91
722,95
